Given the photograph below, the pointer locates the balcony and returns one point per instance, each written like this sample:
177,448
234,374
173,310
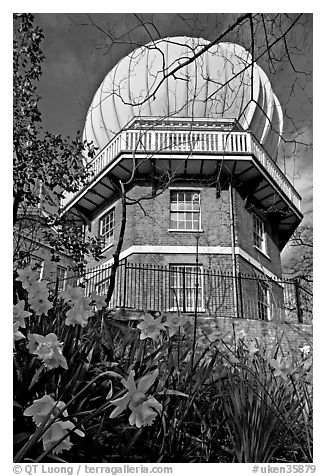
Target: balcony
151,142
178,147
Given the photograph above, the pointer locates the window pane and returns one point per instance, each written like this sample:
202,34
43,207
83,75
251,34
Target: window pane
259,233
183,289
61,275
181,225
184,210
107,227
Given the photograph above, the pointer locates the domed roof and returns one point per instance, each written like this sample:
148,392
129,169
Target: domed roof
220,83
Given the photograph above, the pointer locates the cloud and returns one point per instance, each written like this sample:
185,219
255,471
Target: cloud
296,160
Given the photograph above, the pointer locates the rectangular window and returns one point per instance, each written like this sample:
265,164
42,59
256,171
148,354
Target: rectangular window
106,230
259,234
37,264
263,301
183,279
185,210
62,277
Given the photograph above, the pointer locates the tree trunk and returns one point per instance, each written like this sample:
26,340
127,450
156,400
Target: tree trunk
117,252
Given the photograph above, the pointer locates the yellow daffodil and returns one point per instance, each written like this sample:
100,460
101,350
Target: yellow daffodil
41,407
143,414
48,349
38,288
281,366
27,277
99,300
57,430
252,348
141,406
20,314
39,410
150,327
17,334
40,304
72,295
175,324
78,315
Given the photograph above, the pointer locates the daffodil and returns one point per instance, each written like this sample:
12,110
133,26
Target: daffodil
78,315
48,349
27,277
20,314
38,288
99,300
141,406
150,327
47,407
40,304
72,295
175,324
143,414
57,430
42,407
17,334
252,349
281,367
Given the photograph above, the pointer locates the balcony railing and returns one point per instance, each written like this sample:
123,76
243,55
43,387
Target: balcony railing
153,141
220,294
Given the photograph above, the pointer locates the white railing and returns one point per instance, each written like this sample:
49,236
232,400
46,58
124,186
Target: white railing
220,143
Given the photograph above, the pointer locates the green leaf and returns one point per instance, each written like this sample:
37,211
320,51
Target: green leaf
36,377
173,392
20,437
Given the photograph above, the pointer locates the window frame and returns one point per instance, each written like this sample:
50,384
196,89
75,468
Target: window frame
259,237
182,288
64,280
108,240
180,190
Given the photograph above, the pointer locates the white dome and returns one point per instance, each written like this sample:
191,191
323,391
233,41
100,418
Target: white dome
217,84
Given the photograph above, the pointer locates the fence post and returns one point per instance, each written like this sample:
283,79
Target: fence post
240,295
184,288
297,301
125,283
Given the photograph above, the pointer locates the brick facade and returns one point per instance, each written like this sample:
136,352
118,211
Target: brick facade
147,227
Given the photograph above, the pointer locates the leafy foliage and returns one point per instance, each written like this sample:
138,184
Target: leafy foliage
46,165
121,395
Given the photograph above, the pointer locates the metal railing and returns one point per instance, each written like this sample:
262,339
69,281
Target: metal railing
218,142
173,288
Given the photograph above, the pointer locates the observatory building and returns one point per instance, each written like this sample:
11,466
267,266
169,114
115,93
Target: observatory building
193,134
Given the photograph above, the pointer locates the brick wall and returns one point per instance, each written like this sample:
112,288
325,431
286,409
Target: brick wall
291,336
244,238
149,225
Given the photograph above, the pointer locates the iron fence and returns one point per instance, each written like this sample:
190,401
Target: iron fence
212,292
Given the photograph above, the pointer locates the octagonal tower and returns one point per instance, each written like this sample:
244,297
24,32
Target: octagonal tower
193,133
